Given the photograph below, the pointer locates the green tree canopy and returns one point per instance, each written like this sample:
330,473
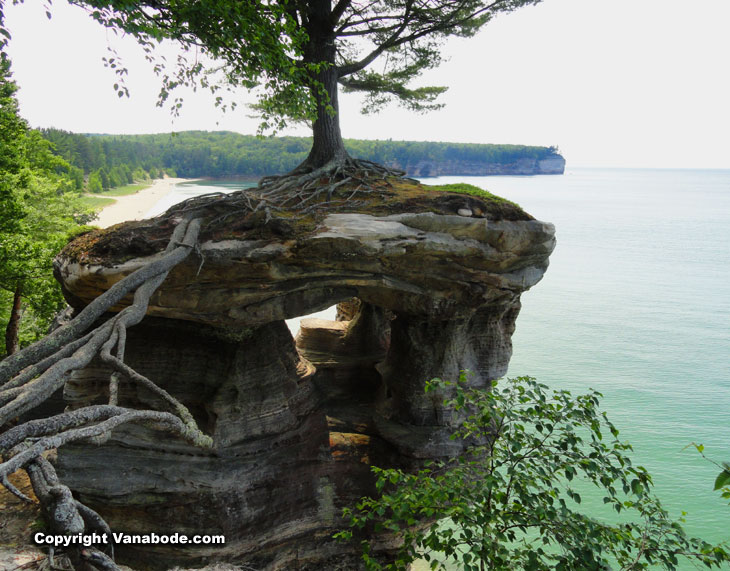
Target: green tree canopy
11,135
298,51
223,153
38,209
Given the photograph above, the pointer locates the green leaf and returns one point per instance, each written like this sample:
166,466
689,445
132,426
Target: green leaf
723,479
636,487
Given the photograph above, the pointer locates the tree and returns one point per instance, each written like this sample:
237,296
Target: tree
201,153
116,177
50,216
38,209
511,501
139,175
299,51
13,128
36,214
104,177
11,204
29,376
94,184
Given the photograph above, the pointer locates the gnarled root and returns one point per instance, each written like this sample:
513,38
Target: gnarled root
181,243
301,192
304,188
32,375
67,516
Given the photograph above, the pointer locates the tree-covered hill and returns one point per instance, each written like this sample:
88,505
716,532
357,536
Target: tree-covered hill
223,153
40,206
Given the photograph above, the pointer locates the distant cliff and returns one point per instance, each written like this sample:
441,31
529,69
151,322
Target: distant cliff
194,154
528,166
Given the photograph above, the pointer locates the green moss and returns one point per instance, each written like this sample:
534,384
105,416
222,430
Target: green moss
79,231
232,335
465,188
79,245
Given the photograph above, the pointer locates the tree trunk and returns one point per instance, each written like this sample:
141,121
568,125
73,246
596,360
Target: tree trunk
328,145
11,331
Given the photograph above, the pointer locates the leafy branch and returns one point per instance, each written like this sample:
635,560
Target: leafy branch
722,482
511,501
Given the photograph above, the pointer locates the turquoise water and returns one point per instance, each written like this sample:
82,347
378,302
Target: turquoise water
636,304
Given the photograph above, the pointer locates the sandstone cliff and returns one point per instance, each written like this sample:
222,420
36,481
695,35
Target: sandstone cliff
428,283
522,167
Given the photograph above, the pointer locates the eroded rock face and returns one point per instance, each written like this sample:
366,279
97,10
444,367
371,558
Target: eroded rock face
296,426
440,266
264,485
522,167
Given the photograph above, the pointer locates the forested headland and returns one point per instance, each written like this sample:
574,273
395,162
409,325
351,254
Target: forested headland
229,415
113,160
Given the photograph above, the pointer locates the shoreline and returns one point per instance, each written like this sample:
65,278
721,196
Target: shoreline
135,206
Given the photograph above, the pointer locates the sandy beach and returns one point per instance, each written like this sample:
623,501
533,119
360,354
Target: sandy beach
135,206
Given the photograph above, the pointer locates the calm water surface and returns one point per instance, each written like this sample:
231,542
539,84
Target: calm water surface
635,304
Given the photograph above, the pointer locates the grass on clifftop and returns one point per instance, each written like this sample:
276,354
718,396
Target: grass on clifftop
230,218
466,188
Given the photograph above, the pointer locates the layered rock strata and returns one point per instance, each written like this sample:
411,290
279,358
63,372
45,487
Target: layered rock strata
296,425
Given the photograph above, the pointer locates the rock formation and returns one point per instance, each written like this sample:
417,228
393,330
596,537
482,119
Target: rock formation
554,164
428,284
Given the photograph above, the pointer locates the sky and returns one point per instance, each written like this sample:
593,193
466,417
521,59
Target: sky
612,83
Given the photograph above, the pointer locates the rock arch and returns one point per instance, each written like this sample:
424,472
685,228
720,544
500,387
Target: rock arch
296,425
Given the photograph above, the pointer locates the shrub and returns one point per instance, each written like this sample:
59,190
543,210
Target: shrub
512,500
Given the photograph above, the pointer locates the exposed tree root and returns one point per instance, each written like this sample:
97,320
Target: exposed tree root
304,187
67,516
181,243
301,192
32,375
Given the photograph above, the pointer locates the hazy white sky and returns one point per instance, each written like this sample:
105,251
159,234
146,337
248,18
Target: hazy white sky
641,83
